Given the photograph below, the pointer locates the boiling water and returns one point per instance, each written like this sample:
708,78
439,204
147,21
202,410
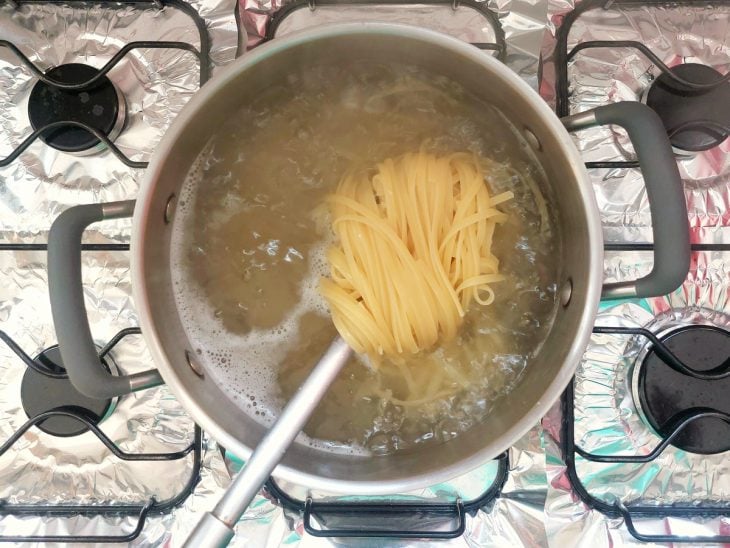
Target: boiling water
249,242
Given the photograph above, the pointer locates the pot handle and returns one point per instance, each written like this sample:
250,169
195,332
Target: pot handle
68,309
664,190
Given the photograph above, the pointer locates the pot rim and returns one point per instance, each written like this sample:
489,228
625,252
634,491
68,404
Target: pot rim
595,258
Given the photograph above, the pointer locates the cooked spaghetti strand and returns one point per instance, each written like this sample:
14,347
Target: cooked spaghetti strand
413,252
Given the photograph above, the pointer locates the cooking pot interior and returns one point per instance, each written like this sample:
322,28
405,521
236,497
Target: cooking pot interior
548,373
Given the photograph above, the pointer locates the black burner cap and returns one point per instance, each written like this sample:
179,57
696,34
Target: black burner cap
39,393
97,106
667,395
681,107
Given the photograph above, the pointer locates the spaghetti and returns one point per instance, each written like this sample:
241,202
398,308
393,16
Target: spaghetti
414,250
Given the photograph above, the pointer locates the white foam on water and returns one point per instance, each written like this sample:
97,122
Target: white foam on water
243,366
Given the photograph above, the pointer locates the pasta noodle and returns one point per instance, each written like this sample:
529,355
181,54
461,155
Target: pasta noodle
414,250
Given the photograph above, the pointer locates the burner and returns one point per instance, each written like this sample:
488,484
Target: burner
101,107
40,393
666,395
680,107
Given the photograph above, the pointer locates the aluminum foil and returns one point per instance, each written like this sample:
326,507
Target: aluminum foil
40,468
514,519
156,84
676,34
523,22
606,418
137,423
607,421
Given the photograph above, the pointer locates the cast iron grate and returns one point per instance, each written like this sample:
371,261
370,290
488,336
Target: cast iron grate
378,511
492,19
202,54
563,57
142,511
631,512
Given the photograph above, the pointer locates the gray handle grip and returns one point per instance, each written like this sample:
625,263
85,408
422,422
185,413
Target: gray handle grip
664,189
80,357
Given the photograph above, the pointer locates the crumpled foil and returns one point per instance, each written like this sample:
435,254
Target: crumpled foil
606,418
514,519
40,468
607,421
677,34
523,22
156,84
147,421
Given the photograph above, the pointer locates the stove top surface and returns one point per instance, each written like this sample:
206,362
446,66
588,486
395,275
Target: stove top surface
596,462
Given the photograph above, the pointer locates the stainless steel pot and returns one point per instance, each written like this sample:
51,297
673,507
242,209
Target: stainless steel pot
580,279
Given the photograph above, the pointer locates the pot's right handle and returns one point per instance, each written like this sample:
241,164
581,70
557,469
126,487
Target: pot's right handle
664,190
77,347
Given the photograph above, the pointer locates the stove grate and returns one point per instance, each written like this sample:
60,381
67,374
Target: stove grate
384,511
151,507
630,512
203,55
499,46
563,57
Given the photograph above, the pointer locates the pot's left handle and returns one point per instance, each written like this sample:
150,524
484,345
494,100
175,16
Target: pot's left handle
80,357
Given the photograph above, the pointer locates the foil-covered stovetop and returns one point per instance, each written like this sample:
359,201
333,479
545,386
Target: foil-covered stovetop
38,468
587,501
538,503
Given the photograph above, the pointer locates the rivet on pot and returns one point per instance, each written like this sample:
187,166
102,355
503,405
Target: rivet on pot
531,139
170,208
194,365
566,292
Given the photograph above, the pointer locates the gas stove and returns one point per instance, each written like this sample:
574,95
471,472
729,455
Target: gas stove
637,450
634,452
86,92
